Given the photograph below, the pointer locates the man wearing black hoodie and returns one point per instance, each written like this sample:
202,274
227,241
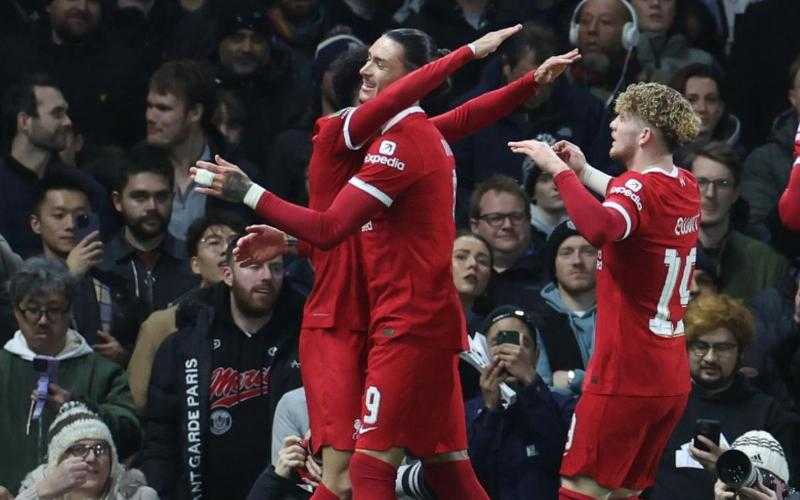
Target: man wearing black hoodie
215,384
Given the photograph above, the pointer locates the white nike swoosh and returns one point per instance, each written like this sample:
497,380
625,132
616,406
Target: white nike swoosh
365,430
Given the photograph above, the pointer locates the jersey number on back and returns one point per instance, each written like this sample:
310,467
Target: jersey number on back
661,324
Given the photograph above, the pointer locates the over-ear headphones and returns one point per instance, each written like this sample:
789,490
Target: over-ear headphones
630,31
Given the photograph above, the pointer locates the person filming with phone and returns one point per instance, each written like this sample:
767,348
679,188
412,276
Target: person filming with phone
723,405
103,311
516,446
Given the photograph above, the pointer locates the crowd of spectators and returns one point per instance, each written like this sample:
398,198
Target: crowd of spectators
140,360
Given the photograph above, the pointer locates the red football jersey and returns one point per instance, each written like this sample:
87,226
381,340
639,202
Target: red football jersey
342,300
407,248
643,286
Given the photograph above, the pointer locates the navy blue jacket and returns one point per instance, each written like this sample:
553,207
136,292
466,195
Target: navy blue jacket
516,452
570,113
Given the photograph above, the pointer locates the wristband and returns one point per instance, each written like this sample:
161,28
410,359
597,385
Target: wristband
253,195
472,48
595,179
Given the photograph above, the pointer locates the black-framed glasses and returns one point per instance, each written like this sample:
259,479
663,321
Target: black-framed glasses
217,242
34,314
82,450
704,182
495,219
700,348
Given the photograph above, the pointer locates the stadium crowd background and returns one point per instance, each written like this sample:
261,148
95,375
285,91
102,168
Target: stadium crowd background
106,104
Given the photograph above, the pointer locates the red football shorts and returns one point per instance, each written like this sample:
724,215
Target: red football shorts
412,400
618,440
333,365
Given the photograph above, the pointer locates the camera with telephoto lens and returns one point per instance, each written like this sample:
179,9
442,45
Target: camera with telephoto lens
735,469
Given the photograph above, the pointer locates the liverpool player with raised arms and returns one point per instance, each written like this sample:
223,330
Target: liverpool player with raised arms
335,309
403,196
637,383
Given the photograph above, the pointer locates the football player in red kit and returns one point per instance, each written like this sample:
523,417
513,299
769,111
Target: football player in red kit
789,203
401,201
329,331
637,382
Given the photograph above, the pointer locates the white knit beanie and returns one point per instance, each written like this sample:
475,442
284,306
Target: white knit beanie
764,451
75,422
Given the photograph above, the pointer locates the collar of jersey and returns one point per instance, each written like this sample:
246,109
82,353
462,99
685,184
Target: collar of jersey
672,173
399,116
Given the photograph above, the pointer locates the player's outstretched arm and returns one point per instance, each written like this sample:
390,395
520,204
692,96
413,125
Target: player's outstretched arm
350,210
789,203
363,122
597,223
487,108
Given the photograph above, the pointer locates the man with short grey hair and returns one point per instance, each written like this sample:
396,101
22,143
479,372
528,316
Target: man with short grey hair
54,362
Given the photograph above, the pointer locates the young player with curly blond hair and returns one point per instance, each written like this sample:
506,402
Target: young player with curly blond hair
637,383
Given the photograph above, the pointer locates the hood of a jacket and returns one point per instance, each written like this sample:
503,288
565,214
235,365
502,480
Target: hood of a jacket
784,128
75,347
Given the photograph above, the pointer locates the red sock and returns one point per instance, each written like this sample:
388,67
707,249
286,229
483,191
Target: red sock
453,479
565,494
323,493
372,478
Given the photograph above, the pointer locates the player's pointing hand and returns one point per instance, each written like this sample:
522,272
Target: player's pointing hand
489,42
541,153
260,244
228,182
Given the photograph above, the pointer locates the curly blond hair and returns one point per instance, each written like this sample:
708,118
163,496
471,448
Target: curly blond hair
662,107
708,312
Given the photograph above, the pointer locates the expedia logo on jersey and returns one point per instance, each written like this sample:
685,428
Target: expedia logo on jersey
194,453
385,160
387,148
628,193
229,387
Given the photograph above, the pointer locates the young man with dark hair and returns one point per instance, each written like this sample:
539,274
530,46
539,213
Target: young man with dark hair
103,311
637,382
180,104
37,125
744,265
150,261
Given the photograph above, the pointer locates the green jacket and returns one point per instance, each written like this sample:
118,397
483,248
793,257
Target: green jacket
102,384
747,266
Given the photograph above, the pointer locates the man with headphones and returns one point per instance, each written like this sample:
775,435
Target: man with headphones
606,32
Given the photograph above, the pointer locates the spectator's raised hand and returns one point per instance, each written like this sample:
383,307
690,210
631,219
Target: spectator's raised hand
518,360
57,396
489,42
260,244
110,348
708,459
548,71
86,254
291,456
229,183
68,475
490,379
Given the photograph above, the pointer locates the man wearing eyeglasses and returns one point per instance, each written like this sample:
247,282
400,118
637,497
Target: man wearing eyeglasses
56,363
744,265
500,212
719,329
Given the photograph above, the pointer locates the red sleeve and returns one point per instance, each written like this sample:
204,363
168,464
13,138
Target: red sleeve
350,210
485,109
598,223
365,120
789,204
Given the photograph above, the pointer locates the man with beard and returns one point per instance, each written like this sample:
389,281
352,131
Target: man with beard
215,384
143,253
719,330
37,125
564,311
